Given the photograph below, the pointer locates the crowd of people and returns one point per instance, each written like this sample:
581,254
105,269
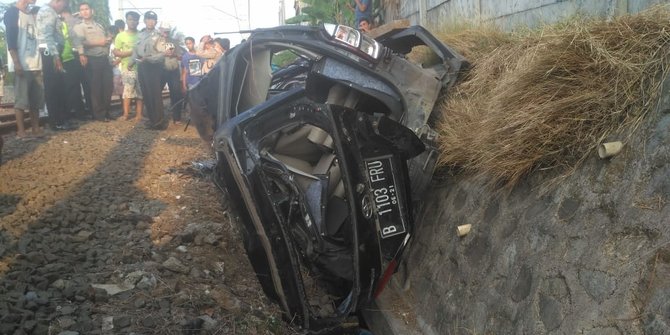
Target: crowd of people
74,65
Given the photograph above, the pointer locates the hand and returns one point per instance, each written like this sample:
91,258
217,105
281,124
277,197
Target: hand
183,89
58,65
83,60
18,69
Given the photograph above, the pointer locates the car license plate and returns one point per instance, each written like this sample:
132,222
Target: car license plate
384,195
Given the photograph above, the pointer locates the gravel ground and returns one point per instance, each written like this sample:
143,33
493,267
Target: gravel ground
113,229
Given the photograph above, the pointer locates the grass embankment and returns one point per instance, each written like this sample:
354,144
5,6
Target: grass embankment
544,100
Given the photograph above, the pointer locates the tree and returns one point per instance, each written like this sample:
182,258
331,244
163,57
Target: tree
324,11
3,44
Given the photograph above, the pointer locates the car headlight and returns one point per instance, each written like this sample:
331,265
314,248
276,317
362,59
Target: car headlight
370,46
353,38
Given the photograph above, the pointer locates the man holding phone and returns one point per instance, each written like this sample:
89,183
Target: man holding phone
149,55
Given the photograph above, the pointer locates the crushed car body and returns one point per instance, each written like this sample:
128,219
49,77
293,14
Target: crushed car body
324,145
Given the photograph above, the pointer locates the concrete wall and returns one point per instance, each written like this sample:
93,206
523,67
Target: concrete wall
510,14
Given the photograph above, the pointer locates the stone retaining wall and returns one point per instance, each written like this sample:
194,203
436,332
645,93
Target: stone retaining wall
589,256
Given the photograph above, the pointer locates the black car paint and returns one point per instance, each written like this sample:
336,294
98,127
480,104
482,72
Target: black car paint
278,243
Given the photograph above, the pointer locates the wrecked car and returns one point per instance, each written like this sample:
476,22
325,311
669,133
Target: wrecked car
324,144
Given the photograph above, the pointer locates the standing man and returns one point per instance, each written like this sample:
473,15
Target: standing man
51,43
191,66
208,52
364,25
72,72
22,45
361,8
171,72
92,43
149,54
123,48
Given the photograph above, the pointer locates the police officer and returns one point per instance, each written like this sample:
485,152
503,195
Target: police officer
92,43
51,42
149,54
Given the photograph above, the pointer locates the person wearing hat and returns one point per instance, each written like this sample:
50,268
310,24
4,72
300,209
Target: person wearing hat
52,42
149,55
92,42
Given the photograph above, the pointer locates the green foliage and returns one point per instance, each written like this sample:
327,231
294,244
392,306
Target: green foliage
283,58
3,45
325,11
3,40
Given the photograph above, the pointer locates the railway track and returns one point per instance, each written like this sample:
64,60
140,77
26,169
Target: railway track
8,117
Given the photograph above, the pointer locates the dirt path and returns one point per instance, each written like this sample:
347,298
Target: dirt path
111,207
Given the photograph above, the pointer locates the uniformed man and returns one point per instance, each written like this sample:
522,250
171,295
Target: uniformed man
92,42
149,54
52,42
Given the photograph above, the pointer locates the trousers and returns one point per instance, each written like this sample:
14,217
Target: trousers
150,78
99,77
54,92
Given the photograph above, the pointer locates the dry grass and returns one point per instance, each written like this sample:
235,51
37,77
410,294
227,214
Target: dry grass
544,100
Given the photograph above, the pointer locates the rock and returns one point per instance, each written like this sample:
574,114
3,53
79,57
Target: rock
182,248
68,332
227,301
187,237
41,328
192,326
523,284
134,277
7,328
31,296
98,294
550,312
151,322
29,325
85,325
212,239
165,240
195,273
143,225
654,324
66,322
147,283
107,323
60,284
82,236
113,289
122,322
599,285
139,303
175,265
208,322
603,331
67,310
